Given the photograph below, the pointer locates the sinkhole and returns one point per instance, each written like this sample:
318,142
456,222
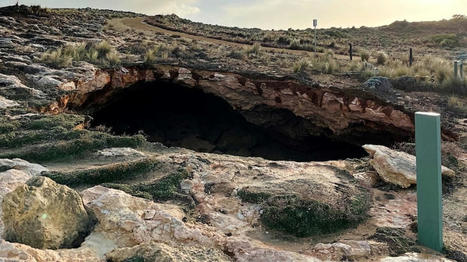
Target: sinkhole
180,116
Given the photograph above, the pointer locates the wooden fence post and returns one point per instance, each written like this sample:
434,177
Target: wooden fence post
350,51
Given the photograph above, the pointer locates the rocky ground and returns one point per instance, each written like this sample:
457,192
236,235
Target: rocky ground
74,191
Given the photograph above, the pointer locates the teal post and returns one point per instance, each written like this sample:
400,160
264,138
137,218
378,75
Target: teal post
429,194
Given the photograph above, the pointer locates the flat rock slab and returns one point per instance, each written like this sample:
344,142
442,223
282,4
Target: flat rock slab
396,167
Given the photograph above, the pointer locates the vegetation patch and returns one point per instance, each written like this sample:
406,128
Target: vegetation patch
446,40
107,173
302,218
253,197
157,52
396,239
163,189
87,142
101,53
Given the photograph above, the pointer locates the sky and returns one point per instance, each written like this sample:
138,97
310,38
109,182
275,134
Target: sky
279,14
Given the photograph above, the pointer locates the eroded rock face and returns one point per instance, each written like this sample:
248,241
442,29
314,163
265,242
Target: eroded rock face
339,110
396,167
44,214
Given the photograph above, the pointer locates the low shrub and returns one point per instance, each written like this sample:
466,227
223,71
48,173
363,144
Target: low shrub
364,55
254,50
302,65
381,58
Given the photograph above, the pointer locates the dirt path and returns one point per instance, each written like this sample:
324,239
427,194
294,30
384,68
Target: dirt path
139,25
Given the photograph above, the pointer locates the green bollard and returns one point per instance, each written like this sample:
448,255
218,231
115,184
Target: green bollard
429,194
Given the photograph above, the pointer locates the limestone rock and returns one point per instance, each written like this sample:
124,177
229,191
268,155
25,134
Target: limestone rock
416,257
160,252
130,220
44,214
5,103
23,165
17,172
348,249
20,252
9,180
119,152
10,84
304,206
249,250
396,167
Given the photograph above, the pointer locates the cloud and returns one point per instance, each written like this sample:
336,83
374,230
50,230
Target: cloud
279,14
150,7
282,14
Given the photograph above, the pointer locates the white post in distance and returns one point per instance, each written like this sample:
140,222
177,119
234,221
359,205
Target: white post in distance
315,24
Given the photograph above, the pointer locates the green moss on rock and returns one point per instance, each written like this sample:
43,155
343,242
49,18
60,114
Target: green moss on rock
103,174
163,189
253,197
309,217
303,216
396,239
55,137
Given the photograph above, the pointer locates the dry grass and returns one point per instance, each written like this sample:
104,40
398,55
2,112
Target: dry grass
381,58
101,53
302,65
456,104
364,55
254,50
155,53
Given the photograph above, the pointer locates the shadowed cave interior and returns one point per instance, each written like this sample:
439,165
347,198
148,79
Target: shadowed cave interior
186,117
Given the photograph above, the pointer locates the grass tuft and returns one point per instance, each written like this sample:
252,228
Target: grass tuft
101,53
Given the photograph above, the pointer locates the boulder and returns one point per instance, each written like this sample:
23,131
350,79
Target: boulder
131,220
396,167
15,173
44,214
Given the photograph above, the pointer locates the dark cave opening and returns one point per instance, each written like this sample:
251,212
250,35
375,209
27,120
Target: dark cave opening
186,117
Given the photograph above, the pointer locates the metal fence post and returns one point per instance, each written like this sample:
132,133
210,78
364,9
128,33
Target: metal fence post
410,57
350,51
429,192
461,70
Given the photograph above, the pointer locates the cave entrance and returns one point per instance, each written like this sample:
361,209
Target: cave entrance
179,116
